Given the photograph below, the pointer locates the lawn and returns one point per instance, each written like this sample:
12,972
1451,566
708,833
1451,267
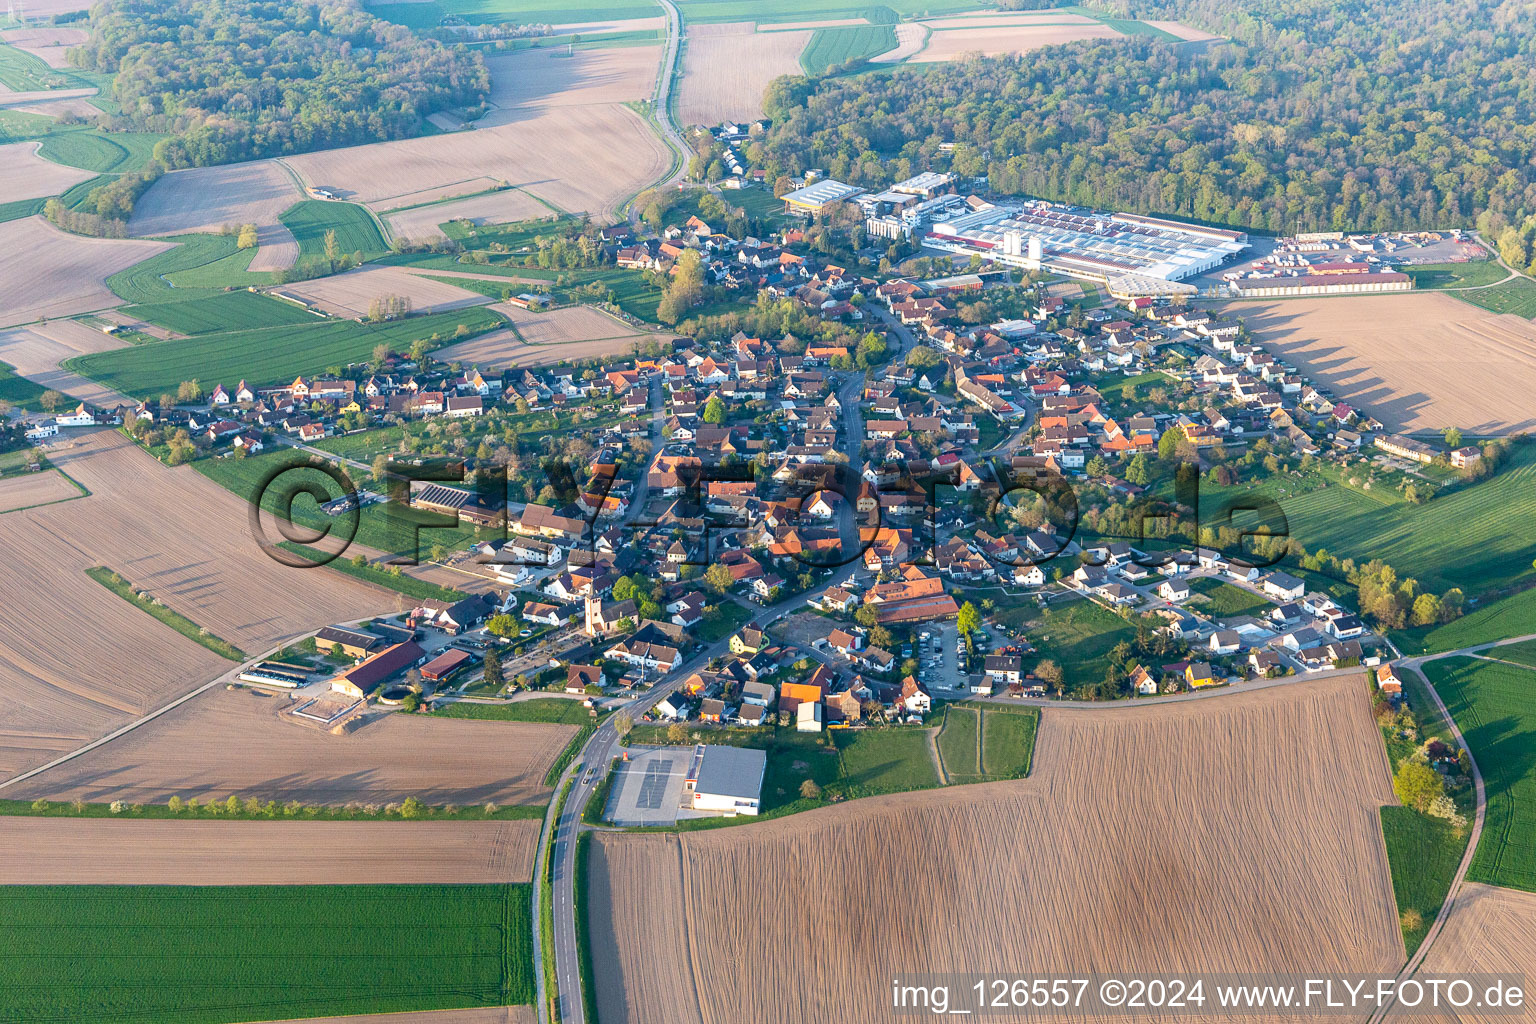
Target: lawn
1424,853
1078,635
1517,297
959,743
1499,620
1462,539
224,311
268,355
356,230
1493,704
19,391
831,47
410,586
891,760
1223,600
553,710
1008,741
123,588
1472,274
214,954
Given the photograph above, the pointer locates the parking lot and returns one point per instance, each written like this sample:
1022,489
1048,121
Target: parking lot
648,788
938,664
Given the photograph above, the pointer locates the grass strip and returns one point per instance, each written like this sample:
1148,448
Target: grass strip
547,909
410,586
177,621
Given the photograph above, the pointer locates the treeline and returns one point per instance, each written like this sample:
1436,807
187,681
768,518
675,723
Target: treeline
234,80
1320,116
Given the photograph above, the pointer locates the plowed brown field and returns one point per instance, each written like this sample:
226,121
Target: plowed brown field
25,175
20,492
727,67
45,272
235,742
1490,930
1238,834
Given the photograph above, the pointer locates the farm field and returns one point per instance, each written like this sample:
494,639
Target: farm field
1471,274
98,151
1497,620
225,311
206,199
910,38
1517,298
350,294
266,355
356,232
237,742
418,14
180,538
726,67
1492,704
1092,808
1460,539
706,11
49,45
37,351
19,391
986,743
554,710
504,206
951,44
1187,33
1523,653
45,272
152,280
1420,361
33,489
831,47
199,955
1489,931
25,175
1424,853
538,145
100,851
885,760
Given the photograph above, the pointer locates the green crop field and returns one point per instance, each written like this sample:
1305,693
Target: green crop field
1499,620
102,152
769,11
1523,653
1517,297
266,355
225,311
385,526
831,47
1423,853
1472,274
24,72
1495,706
356,230
216,954
19,391
1461,539
1078,635
142,283
226,271
885,760
1224,600
487,12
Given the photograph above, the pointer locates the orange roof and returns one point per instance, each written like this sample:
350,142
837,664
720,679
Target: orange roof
802,692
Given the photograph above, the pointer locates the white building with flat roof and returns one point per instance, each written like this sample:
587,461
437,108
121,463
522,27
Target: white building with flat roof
813,197
725,780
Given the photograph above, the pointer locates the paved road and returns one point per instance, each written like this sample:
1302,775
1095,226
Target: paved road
663,98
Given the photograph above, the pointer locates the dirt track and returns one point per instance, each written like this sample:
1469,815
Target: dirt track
476,1015
1239,834
235,742
105,851
1415,361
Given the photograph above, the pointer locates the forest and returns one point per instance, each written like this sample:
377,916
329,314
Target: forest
1314,115
235,80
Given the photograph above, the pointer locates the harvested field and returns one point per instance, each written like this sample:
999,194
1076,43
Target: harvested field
351,293
725,72
25,175
1094,863
910,38
589,158
997,19
18,492
97,851
45,272
1489,931
205,199
1184,32
1420,361
588,28
502,207
500,349
549,78
171,531
240,742
49,45
37,351
562,326
992,42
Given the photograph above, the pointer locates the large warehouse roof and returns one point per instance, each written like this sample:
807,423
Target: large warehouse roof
728,771
828,190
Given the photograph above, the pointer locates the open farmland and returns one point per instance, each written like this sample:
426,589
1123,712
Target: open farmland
37,351
1184,32
1267,855
350,294
32,489
225,311
992,41
831,47
1492,704
475,1015
206,199
49,45
45,272
267,355
207,955
994,19
727,67
910,38
238,742
356,230
1489,931
173,533
25,175
102,851
501,207
500,349
559,130
1420,361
